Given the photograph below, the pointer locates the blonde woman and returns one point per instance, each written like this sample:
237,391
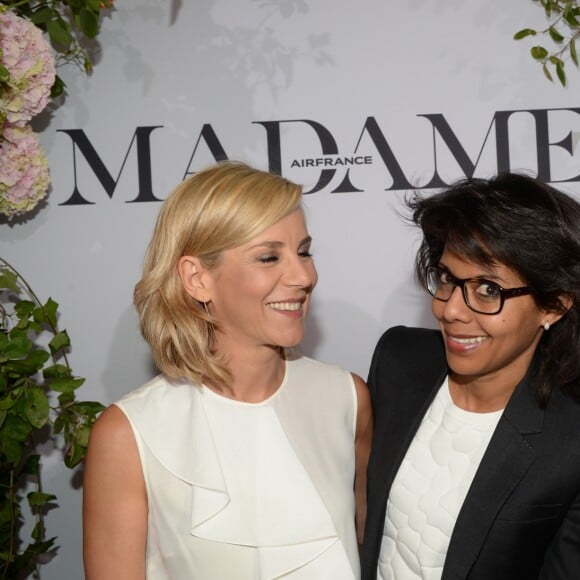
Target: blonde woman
240,459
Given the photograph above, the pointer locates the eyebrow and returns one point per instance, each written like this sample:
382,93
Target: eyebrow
490,276
274,245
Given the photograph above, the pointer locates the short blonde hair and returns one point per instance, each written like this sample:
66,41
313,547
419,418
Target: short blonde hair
217,209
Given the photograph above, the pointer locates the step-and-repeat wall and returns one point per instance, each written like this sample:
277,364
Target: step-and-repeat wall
361,102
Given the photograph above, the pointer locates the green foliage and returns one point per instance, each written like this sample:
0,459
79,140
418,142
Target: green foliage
37,395
563,30
69,24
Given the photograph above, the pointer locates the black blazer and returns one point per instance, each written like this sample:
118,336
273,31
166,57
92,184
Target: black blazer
521,517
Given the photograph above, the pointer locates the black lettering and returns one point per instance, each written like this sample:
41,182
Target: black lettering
140,137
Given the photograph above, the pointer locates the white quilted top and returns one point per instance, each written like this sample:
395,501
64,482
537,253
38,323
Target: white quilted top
430,488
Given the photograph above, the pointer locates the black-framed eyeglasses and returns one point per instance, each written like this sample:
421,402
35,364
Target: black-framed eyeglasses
481,295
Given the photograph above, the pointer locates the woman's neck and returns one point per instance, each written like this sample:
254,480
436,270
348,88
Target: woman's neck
256,375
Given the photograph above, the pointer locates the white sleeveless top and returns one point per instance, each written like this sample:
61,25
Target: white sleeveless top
249,491
430,488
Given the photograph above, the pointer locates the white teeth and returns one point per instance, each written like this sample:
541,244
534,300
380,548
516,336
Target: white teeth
474,340
285,305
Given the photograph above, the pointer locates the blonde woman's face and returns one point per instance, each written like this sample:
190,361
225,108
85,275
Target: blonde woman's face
260,291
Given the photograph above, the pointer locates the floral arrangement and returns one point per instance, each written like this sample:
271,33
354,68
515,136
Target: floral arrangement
28,72
28,82
37,390
37,384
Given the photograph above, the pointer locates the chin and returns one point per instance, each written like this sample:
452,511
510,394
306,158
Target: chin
290,342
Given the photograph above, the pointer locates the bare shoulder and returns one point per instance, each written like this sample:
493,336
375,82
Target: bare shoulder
112,443
362,393
114,501
112,424
363,438
364,413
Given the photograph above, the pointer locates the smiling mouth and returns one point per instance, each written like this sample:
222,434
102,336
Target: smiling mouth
470,340
289,306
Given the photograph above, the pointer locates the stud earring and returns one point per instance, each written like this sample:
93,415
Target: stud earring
546,326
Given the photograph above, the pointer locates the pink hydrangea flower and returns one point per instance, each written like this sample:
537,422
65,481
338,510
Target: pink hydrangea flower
24,174
31,65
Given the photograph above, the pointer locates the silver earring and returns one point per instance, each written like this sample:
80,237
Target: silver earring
546,326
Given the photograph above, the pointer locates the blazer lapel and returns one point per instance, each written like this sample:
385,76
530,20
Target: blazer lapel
506,460
409,390
396,430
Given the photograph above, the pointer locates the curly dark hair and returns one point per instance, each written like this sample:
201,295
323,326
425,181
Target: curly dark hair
528,226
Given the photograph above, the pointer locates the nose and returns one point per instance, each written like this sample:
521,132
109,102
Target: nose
302,273
456,308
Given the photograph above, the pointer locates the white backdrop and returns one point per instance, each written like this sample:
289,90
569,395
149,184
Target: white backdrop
338,81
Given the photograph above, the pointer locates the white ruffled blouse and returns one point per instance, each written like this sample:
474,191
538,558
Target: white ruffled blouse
249,491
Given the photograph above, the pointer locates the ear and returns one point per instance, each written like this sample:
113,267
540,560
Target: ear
566,301
193,277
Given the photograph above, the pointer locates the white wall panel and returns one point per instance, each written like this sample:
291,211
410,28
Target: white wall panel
236,65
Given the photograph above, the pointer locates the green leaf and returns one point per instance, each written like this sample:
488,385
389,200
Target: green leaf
32,465
17,346
15,429
74,455
27,366
23,324
90,408
37,407
573,54
58,425
9,280
41,16
59,341
59,33
4,74
38,531
538,52
571,20
555,35
89,23
57,371
76,5
11,399
88,65
81,436
93,5
65,399
561,74
57,88
37,358
37,498
50,309
41,547
12,450
39,315
523,33
66,385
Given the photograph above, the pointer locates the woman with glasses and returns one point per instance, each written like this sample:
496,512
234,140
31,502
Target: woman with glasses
475,464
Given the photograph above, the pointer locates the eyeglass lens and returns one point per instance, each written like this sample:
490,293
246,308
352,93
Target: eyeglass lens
480,295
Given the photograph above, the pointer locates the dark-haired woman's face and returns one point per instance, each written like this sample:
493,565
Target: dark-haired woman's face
491,351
